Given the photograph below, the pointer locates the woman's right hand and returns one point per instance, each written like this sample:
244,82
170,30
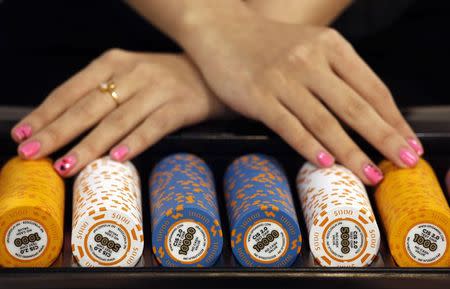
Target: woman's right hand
153,95
299,80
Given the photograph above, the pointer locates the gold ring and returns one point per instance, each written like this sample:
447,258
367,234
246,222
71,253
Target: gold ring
110,88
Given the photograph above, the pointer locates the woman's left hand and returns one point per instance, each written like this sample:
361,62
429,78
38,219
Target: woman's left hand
152,95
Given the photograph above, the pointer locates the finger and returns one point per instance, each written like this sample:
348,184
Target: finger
359,115
327,130
66,95
288,127
85,113
355,71
109,131
163,121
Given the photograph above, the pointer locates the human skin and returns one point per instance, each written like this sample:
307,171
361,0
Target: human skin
54,123
260,86
158,93
312,12
298,79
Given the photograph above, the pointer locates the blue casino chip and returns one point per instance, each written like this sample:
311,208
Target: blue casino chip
186,229
263,222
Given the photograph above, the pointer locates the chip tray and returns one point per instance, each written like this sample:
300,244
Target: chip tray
218,144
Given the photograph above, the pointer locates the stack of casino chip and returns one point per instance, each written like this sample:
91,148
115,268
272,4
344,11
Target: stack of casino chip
107,215
31,213
186,228
341,224
415,215
263,222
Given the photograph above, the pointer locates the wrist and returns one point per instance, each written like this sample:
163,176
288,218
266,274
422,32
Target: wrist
199,21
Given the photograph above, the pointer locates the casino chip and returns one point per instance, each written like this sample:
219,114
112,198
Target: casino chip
415,215
186,229
263,222
342,228
107,215
31,213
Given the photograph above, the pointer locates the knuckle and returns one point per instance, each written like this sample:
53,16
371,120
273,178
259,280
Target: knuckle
116,120
356,109
383,92
279,122
304,141
276,74
322,124
160,81
42,114
141,69
37,119
161,123
113,55
386,138
335,41
352,155
88,148
302,55
331,36
87,111
400,123
141,139
187,116
52,135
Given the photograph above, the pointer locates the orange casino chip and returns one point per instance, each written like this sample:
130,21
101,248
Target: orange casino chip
31,213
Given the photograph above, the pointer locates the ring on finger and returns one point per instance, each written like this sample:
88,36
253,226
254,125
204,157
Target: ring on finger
110,88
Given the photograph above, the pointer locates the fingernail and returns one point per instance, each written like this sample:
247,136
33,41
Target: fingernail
373,174
65,165
408,157
416,145
22,132
29,149
118,153
325,159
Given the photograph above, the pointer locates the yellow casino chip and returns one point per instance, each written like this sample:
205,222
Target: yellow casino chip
31,213
415,215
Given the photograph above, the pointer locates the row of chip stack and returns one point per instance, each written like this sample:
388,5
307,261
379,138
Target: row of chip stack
107,218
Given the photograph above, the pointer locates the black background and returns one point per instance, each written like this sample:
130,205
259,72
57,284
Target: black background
43,42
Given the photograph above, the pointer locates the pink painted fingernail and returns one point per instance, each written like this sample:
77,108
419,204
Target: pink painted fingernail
65,165
373,174
408,157
416,146
118,153
22,132
29,149
325,159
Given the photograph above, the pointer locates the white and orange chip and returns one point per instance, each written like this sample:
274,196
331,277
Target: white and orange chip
342,228
107,215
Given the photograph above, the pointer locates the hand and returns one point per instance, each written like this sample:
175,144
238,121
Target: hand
157,94
297,79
